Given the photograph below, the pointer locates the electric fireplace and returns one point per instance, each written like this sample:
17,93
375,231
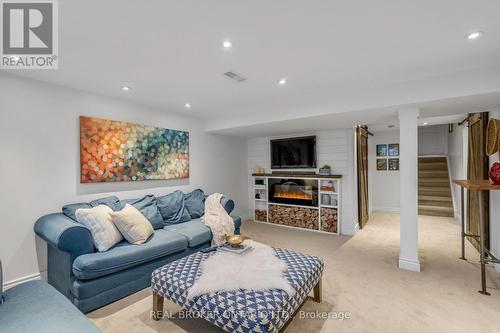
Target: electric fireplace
301,192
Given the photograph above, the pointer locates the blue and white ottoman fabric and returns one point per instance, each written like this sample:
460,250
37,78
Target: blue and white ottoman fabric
240,311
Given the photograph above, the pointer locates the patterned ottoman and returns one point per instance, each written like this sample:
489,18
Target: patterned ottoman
241,310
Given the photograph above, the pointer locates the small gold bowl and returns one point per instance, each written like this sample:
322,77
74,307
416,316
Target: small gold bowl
235,240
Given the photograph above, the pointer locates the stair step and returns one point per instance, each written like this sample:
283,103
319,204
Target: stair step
432,166
435,211
433,174
437,191
433,182
438,159
444,204
441,198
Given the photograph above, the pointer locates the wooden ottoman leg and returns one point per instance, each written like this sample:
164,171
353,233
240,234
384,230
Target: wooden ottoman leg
157,306
318,290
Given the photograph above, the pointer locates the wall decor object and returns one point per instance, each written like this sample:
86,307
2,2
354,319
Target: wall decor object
382,150
394,164
381,164
393,149
494,173
492,136
117,151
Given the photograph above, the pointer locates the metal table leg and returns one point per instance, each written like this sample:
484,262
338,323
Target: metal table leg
481,241
462,218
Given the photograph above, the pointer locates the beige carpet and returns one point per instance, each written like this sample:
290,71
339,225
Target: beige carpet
361,277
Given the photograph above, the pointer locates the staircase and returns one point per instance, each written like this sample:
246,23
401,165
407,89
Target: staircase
434,193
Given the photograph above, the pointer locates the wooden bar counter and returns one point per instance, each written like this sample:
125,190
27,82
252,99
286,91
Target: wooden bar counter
485,256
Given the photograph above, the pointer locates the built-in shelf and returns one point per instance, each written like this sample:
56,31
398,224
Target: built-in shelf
329,206
328,192
321,212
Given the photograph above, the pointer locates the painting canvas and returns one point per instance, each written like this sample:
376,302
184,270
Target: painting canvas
381,164
393,149
117,151
394,164
382,150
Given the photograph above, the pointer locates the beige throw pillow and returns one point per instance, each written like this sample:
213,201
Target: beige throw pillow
132,224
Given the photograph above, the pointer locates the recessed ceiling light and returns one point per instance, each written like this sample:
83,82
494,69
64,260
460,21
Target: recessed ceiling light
474,35
227,44
187,106
282,81
426,123
126,88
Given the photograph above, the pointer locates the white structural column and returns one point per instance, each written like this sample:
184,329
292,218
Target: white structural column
408,163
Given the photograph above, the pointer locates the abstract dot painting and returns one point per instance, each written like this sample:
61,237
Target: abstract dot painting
117,151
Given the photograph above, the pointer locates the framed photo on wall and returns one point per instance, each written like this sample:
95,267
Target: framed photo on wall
382,150
393,164
381,164
393,149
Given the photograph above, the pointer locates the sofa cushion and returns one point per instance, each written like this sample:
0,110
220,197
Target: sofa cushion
36,306
112,202
172,208
125,255
237,221
195,203
195,230
70,210
148,207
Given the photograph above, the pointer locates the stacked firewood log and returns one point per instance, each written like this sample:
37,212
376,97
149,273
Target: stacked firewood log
261,215
294,216
329,219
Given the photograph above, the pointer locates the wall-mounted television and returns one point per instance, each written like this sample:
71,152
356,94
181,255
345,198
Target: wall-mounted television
293,153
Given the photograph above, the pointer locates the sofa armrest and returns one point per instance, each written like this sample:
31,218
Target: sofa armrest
228,204
65,234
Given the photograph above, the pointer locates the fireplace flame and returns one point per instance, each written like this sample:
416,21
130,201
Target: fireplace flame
293,195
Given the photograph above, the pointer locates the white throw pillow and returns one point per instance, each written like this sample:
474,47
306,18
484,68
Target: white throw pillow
98,220
132,224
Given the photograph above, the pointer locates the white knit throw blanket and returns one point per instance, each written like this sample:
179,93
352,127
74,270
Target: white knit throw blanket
217,219
257,270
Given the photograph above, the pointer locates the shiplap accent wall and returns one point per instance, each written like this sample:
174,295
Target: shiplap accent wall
334,147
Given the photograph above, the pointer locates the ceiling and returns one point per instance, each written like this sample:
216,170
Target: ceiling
170,52
436,112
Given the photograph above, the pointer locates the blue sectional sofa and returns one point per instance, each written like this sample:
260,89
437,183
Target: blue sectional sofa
92,279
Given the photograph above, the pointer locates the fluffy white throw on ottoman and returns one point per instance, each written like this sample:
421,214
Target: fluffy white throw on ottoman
217,219
256,270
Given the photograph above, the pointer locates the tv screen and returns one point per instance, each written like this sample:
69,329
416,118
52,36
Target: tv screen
293,153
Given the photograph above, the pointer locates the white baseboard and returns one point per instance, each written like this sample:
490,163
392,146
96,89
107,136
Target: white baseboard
386,209
15,282
409,265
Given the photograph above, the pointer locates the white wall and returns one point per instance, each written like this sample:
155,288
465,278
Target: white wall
39,167
495,206
457,162
335,147
433,140
383,186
